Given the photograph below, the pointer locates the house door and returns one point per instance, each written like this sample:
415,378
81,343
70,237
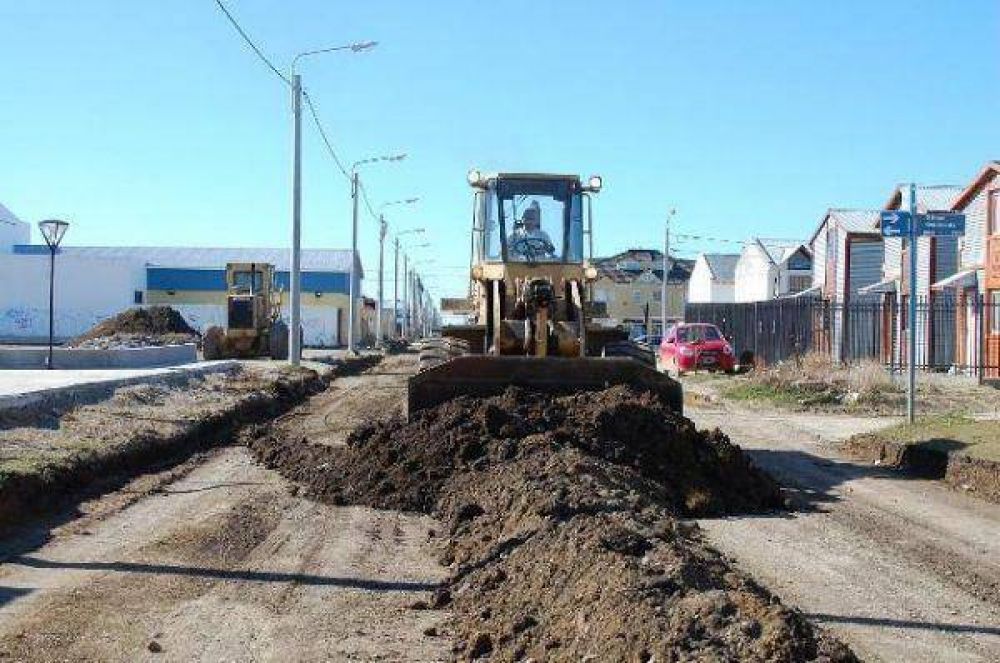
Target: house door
967,330
991,359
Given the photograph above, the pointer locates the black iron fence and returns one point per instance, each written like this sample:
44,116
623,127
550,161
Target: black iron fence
952,333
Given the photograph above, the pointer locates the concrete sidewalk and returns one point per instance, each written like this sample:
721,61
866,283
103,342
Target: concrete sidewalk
23,387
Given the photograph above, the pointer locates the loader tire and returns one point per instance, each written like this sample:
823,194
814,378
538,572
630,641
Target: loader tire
278,340
213,343
632,350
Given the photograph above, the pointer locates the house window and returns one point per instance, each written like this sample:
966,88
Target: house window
994,313
799,283
993,212
637,296
137,297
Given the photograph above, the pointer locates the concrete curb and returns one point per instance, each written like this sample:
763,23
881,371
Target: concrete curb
92,358
88,392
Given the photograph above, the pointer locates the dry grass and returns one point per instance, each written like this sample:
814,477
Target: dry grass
950,433
815,380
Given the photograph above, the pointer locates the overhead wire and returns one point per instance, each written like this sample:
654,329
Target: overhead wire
309,103
251,44
323,135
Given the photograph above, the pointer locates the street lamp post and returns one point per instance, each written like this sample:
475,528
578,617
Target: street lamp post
353,286
666,271
382,230
53,230
295,280
396,326
417,299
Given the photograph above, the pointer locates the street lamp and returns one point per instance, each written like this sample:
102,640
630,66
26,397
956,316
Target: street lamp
383,227
352,288
666,270
397,332
295,280
53,230
416,302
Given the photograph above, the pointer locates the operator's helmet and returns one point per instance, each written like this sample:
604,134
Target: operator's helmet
532,216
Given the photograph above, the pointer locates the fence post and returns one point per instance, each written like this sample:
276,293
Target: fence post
981,337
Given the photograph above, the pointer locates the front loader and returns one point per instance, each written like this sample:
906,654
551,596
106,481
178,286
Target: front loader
254,327
531,301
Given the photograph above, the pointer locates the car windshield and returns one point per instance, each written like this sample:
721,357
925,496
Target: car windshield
534,220
697,333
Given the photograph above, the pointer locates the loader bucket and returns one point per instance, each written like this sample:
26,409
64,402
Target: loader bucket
483,375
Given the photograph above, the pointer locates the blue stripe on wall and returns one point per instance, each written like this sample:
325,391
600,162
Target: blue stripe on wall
32,249
172,278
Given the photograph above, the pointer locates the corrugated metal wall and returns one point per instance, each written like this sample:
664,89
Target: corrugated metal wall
892,262
973,253
866,263
819,258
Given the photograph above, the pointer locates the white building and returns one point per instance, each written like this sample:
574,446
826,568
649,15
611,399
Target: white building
12,230
764,272
713,279
94,283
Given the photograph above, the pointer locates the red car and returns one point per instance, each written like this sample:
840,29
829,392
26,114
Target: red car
690,347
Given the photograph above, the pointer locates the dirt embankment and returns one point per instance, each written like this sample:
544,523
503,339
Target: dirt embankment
562,526
136,327
979,476
54,457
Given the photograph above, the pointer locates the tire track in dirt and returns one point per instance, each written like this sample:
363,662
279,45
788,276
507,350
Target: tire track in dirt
901,568
228,563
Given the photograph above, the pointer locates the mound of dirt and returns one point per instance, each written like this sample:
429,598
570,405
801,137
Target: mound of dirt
135,327
563,526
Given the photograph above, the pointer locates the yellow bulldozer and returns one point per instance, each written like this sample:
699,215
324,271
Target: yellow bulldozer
254,327
534,318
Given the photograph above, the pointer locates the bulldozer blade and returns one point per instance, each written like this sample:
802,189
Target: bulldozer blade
482,375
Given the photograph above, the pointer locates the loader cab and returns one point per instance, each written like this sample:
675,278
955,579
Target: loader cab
531,218
249,305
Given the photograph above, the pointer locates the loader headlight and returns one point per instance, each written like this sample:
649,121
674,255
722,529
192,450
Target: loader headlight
477,272
475,178
595,183
590,273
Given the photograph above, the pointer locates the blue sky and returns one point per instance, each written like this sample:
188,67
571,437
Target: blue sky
153,123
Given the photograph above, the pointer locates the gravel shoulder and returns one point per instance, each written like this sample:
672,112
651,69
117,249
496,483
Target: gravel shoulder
900,568
222,560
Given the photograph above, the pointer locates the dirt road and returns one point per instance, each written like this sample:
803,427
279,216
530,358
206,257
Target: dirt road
219,560
901,569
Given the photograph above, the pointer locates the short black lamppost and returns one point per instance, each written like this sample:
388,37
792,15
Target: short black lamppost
53,231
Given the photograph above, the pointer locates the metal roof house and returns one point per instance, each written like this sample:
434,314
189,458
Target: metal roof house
713,279
765,271
978,272
847,253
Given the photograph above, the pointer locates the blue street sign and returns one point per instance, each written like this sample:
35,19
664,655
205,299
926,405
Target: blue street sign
895,223
941,224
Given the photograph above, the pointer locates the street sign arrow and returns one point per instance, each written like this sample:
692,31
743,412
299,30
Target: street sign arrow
895,223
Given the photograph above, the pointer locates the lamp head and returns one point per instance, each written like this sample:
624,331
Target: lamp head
53,231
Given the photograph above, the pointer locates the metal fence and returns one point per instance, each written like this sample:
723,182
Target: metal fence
951,334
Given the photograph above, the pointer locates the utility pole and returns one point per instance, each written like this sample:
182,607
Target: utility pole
666,271
295,268
352,305
381,262
294,285
396,331
911,379
406,299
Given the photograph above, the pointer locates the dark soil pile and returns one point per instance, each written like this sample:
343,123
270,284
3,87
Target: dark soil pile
562,526
156,325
